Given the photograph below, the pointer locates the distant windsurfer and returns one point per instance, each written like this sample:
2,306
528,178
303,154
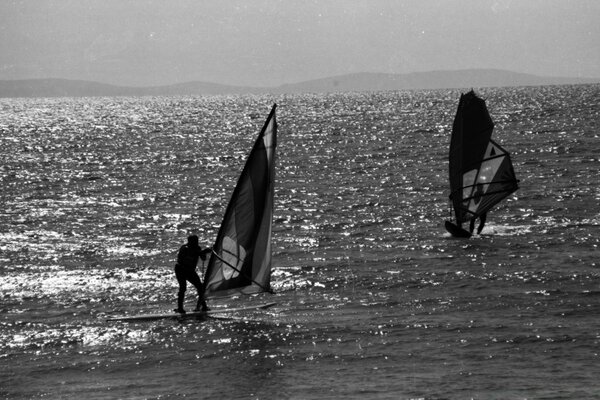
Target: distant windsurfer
185,270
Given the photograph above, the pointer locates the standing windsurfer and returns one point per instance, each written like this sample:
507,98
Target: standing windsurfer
185,270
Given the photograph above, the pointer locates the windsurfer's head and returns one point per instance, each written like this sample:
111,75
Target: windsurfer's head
193,241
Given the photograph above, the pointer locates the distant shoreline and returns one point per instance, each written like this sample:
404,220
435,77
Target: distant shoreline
359,82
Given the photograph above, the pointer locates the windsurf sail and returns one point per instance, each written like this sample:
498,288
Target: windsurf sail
240,262
481,171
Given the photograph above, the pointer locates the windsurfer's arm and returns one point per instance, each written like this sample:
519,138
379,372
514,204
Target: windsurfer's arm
204,252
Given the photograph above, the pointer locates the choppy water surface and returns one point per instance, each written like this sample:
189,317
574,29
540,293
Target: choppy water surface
375,300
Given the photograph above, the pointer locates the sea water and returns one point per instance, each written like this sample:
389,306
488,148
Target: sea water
374,299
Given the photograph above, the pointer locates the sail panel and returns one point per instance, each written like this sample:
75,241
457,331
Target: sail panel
487,185
241,258
471,133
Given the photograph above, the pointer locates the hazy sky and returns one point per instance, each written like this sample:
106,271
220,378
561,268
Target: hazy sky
270,42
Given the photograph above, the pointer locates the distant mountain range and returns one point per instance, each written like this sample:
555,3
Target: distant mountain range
360,82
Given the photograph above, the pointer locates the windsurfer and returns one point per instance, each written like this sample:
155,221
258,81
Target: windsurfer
185,270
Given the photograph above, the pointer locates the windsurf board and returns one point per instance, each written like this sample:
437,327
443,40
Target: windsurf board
189,315
457,231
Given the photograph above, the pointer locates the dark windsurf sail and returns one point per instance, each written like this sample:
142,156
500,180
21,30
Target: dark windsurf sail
240,262
481,172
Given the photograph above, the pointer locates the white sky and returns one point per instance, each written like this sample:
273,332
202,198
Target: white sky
270,42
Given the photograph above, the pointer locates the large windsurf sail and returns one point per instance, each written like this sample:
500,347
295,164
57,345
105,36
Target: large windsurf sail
481,171
240,262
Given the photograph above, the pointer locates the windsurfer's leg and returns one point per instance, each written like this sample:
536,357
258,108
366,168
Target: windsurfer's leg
201,304
181,293
195,280
482,219
472,225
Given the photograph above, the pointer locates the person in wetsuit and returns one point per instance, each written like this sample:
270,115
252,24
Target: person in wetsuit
185,271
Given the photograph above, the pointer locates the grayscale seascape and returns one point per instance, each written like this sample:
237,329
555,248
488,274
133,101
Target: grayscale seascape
375,300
